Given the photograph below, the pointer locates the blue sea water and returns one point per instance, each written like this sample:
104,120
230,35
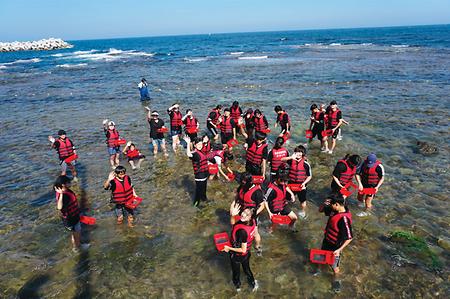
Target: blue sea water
392,84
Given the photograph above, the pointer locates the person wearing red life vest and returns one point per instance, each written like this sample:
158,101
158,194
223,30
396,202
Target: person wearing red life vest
175,125
206,149
260,121
219,156
65,148
236,114
276,154
212,122
191,124
300,172
257,153
344,172
249,195
338,232
334,122
369,175
317,126
122,191
227,127
283,120
249,122
133,154
67,205
112,138
275,198
200,165
156,126
242,236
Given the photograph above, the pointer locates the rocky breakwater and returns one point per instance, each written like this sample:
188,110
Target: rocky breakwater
43,44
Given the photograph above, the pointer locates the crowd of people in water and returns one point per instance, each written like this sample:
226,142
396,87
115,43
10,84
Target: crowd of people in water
273,178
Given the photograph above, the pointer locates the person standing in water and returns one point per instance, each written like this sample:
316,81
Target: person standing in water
343,172
156,132
65,148
212,121
67,204
283,120
175,125
200,165
334,122
122,192
276,154
242,235
338,232
112,139
299,173
134,156
257,153
143,90
369,175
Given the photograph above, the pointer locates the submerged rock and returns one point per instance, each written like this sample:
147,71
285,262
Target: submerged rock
426,149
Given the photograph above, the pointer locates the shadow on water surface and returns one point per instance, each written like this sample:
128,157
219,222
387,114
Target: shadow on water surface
30,288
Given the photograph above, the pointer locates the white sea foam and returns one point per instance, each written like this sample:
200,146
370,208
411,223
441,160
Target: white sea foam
400,46
197,59
335,44
253,57
112,54
72,66
20,61
236,53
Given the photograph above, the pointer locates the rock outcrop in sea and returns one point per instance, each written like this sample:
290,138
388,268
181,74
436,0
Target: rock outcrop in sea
43,44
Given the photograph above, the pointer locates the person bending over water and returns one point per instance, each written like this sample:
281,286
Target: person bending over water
134,156
143,90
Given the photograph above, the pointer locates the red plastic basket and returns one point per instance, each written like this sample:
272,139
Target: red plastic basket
369,191
258,179
220,240
87,220
295,187
231,176
213,168
71,158
281,219
121,141
286,136
232,142
348,189
192,131
162,130
134,203
266,131
327,133
309,134
318,256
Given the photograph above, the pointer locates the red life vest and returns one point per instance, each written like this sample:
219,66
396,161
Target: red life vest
215,120
225,125
249,229
235,113
255,154
206,148
260,125
280,118
332,230
279,202
370,175
348,175
245,199
249,121
175,119
277,154
65,148
297,172
113,137
202,165
123,191
191,123
332,118
133,153
71,209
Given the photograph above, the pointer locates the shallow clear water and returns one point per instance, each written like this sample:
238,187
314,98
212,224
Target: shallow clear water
391,83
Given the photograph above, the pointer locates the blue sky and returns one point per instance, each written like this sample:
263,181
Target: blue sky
87,19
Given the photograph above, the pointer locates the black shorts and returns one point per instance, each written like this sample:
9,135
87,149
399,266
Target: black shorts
286,210
301,195
253,169
330,247
336,132
317,131
226,137
212,130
